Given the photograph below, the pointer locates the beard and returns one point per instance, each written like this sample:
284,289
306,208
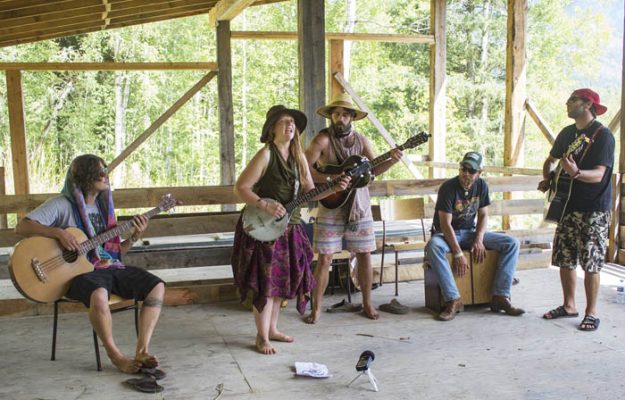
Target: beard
341,130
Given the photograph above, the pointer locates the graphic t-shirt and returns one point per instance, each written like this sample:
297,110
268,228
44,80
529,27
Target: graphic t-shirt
461,204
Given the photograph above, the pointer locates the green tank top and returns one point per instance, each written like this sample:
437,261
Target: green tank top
278,182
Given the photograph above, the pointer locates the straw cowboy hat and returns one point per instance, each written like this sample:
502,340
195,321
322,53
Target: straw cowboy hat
341,100
275,113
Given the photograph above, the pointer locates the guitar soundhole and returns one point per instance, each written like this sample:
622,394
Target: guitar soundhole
70,256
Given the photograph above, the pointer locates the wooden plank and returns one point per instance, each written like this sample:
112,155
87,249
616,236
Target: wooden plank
416,159
226,10
17,129
615,124
375,37
613,233
376,122
190,224
3,191
21,8
516,80
110,66
226,113
540,122
438,79
336,65
161,120
504,207
311,57
58,15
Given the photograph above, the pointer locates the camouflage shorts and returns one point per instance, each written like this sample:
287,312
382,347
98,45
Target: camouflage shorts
581,237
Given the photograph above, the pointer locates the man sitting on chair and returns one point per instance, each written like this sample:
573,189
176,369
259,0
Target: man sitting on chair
86,203
460,199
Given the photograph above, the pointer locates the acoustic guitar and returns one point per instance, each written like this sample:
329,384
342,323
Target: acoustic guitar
561,183
264,227
339,199
42,270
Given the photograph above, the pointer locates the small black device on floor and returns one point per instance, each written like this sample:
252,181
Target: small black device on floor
363,367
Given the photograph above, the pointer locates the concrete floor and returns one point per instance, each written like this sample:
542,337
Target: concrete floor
479,355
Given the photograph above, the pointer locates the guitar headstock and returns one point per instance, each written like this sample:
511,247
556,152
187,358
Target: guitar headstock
167,202
415,141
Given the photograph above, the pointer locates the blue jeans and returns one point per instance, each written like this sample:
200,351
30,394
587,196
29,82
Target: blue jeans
436,255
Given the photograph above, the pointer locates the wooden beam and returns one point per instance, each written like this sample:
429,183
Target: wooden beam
516,80
488,168
161,120
311,57
438,84
376,37
226,113
615,124
376,122
336,65
540,122
110,66
17,128
3,191
613,233
226,10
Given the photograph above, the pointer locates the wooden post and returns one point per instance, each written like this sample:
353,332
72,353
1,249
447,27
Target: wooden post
3,191
311,54
226,115
516,65
438,56
621,162
336,65
18,131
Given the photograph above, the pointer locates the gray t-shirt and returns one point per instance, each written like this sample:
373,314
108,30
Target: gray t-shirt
58,212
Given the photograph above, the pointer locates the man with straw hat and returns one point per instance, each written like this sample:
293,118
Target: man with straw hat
352,222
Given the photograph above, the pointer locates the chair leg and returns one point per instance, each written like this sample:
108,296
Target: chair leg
54,327
349,279
396,273
137,318
97,351
383,251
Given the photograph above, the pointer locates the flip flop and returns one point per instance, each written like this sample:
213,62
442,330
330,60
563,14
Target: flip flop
156,373
344,306
146,384
394,307
559,312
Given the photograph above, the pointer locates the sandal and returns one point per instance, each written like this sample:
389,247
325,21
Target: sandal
394,307
344,306
147,384
559,312
589,323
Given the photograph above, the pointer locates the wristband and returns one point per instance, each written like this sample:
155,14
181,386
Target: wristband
458,254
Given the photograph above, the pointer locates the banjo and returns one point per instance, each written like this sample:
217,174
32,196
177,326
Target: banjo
264,227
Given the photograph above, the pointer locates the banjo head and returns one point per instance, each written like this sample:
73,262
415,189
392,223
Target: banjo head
261,226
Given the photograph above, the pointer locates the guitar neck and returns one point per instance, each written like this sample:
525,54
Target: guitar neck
380,159
303,198
94,242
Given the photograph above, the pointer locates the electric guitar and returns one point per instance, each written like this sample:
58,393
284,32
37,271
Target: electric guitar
264,227
42,270
339,199
561,183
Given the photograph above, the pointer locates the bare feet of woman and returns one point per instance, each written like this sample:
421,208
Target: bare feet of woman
370,312
264,347
280,337
147,360
125,364
312,318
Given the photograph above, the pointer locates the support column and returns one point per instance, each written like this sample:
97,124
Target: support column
336,65
438,64
17,128
226,116
311,55
3,217
516,80
621,168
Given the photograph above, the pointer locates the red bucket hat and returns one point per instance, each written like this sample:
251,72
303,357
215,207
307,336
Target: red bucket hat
593,97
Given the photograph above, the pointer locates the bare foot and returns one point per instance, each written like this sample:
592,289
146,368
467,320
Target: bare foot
264,347
125,364
371,313
147,360
280,337
312,318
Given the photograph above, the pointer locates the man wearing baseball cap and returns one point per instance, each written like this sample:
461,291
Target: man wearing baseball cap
459,201
582,232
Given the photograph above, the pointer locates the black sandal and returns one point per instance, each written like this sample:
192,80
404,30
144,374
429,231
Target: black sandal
589,323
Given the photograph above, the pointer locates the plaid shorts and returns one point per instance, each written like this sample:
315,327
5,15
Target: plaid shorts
581,237
330,229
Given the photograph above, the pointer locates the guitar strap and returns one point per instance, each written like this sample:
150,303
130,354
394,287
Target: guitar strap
592,140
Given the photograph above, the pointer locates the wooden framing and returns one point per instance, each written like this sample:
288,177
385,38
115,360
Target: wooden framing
542,125
311,56
226,10
110,66
438,63
3,191
337,48
226,114
17,128
516,67
377,37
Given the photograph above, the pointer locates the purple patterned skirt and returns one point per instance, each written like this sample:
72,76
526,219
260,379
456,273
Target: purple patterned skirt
278,269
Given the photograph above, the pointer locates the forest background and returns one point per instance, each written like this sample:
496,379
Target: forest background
571,44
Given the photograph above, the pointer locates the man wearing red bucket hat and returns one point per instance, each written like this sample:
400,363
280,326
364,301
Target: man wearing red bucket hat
582,232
